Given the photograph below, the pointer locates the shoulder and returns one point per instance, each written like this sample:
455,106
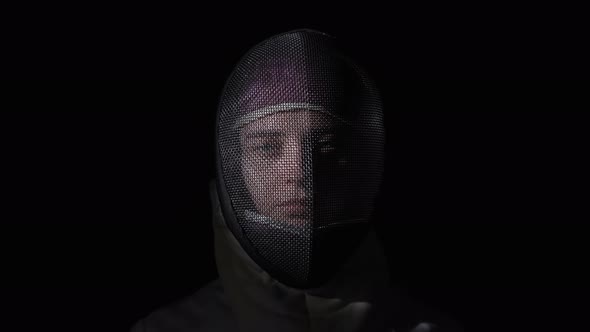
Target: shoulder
406,313
429,319
204,310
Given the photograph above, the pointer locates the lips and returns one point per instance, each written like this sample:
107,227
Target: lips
294,202
294,206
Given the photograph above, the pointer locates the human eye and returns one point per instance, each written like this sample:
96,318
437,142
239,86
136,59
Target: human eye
265,149
326,144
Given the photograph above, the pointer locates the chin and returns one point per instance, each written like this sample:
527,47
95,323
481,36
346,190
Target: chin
296,220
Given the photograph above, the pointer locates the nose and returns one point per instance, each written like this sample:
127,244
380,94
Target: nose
296,163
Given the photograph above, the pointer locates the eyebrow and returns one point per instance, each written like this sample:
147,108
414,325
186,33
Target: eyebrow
265,134
328,130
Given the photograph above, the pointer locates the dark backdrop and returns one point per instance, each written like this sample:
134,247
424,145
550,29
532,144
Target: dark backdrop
105,206
109,218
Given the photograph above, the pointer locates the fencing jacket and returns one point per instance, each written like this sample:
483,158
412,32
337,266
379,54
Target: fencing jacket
246,298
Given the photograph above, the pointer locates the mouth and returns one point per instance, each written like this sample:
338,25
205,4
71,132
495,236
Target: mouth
295,202
295,206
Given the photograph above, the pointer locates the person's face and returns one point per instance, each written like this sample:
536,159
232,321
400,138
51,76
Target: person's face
276,161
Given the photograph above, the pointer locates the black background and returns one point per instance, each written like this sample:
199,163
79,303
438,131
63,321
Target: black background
106,210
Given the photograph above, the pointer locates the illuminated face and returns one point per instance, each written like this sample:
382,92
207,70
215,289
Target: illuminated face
279,152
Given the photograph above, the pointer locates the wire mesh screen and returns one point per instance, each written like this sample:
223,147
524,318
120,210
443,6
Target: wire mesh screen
300,143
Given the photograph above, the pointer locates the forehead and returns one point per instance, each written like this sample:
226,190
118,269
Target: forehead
290,122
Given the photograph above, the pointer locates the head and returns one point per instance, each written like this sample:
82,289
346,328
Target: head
279,152
300,157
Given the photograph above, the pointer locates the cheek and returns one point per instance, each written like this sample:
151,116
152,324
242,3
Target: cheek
250,176
260,183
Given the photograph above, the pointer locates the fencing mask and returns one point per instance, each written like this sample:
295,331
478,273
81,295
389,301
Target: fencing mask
299,155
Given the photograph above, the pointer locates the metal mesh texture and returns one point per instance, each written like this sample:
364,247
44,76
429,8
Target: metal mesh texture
300,155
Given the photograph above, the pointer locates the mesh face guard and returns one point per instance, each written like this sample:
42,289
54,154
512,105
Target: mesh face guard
300,155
